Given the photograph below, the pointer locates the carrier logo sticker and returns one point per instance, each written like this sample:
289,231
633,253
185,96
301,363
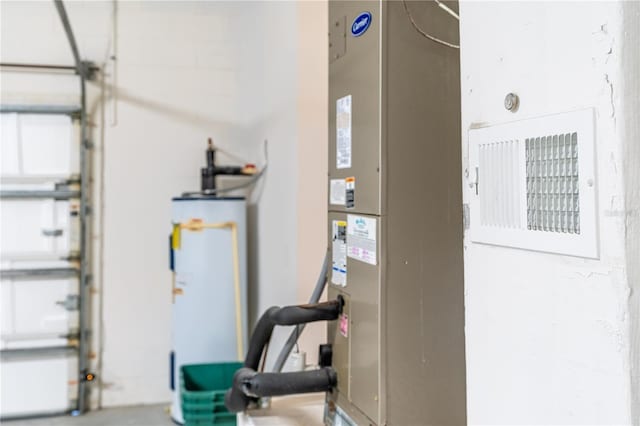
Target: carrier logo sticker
361,24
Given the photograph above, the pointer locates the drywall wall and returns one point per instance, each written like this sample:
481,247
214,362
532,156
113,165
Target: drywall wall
553,339
312,93
283,81
268,78
176,73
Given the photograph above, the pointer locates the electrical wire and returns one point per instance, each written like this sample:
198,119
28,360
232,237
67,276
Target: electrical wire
264,356
447,9
230,155
429,36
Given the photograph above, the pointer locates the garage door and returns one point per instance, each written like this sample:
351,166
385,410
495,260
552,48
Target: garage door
39,253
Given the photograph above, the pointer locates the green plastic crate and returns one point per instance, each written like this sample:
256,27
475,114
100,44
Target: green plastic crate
202,390
217,416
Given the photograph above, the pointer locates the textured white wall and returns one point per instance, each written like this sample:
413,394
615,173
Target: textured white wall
549,337
630,132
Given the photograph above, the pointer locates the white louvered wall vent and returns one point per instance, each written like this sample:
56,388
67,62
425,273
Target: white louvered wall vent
534,185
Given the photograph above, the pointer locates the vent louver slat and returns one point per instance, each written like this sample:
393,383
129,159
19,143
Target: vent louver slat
499,174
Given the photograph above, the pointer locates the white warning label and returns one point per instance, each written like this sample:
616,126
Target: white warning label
337,192
361,239
343,132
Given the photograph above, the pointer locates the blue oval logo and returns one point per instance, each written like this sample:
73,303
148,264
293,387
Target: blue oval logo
361,24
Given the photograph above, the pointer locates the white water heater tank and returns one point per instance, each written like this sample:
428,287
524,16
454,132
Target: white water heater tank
206,291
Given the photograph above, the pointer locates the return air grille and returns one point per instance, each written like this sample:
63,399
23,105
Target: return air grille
533,184
553,193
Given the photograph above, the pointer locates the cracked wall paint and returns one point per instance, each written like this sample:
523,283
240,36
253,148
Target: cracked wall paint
610,87
631,164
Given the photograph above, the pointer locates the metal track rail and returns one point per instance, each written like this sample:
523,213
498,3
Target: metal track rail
42,109
45,350
42,67
57,194
69,32
25,274
83,69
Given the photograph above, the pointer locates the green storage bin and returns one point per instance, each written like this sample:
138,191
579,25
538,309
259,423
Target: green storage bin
218,415
202,390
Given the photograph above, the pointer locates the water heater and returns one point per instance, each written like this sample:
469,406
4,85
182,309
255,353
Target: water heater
209,262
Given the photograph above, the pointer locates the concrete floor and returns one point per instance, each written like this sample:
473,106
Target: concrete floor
295,410
144,415
301,410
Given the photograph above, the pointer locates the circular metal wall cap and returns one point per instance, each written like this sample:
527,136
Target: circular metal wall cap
511,102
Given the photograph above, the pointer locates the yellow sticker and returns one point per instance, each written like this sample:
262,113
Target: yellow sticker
175,237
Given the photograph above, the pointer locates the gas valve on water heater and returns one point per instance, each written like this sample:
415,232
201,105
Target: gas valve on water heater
211,171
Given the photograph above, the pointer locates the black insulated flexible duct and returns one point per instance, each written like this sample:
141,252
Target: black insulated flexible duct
289,315
249,384
277,384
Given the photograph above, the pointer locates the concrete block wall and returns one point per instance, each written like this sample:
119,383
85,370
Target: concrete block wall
176,73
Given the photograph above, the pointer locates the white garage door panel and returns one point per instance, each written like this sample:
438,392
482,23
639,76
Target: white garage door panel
6,304
62,221
36,309
46,144
33,386
22,225
25,224
9,159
